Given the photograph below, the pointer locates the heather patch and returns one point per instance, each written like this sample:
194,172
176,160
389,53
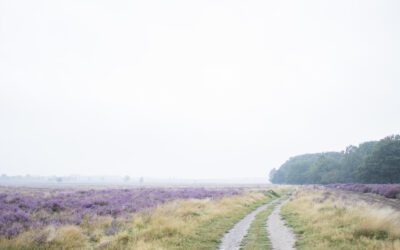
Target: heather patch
22,210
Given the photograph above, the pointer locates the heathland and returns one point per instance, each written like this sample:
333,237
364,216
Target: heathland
146,218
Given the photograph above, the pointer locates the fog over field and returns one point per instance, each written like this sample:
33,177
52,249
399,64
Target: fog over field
192,89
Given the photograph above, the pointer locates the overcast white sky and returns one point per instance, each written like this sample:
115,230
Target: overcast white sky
192,89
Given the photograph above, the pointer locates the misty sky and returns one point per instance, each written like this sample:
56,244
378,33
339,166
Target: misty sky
192,89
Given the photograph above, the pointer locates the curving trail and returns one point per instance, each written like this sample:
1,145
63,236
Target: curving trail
281,237
234,237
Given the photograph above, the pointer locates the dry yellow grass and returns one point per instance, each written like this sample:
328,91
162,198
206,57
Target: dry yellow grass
65,237
326,221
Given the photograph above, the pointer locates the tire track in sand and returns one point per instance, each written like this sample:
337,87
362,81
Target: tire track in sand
281,236
232,239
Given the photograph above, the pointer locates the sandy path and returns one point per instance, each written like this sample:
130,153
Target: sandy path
281,237
234,237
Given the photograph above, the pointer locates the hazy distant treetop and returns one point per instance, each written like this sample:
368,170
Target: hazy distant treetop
370,162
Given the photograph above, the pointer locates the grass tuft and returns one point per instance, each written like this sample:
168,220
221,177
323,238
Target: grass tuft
377,234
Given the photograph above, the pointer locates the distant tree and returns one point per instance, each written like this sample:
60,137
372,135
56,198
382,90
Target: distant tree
372,162
326,168
127,178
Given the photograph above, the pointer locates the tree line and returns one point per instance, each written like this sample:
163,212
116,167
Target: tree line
370,162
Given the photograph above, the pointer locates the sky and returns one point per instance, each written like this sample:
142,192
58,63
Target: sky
192,89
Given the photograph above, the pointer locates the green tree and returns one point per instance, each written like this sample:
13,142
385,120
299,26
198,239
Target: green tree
371,162
383,165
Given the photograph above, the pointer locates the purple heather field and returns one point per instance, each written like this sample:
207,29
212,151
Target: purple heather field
387,190
24,209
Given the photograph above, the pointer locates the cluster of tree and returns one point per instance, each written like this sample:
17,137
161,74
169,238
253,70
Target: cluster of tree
370,162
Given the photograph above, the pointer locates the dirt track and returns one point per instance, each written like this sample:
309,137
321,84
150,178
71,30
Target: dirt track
234,237
280,235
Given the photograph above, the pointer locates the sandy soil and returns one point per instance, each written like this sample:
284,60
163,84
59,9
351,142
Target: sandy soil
281,237
234,237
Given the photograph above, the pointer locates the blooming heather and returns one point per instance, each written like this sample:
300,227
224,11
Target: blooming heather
21,210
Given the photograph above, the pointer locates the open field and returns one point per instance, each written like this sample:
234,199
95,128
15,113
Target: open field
197,218
149,218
